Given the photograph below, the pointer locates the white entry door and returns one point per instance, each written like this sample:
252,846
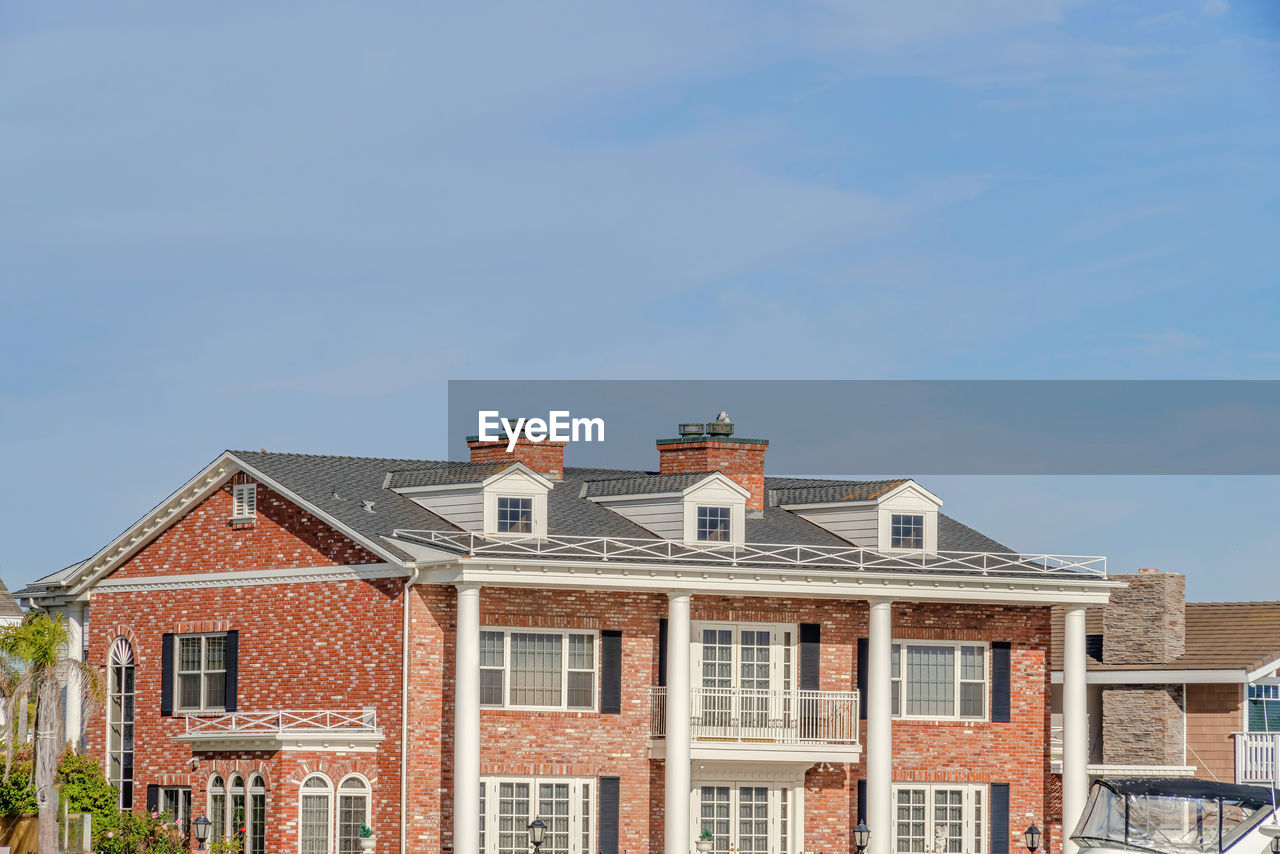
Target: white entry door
743,678
746,818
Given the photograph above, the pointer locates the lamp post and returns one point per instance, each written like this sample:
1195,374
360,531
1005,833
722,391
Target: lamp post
537,832
202,830
1032,838
861,836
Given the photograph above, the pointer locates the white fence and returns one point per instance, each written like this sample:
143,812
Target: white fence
1256,757
284,721
768,716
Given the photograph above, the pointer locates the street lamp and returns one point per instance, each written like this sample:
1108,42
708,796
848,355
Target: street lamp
1032,837
861,836
537,832
202,830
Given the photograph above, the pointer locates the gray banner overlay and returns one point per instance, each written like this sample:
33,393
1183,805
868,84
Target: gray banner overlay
892,427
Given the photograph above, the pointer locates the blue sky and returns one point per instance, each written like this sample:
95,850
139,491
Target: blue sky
227,225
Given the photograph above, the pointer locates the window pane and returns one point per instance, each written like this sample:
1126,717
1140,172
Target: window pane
491,687
581,689
513,818
581,652
930,681
491,649
536,669
189,691
713,524
515,515
215,694
713,815
258,823
315,824
215,653
907,531
753,819
351,813
553,809
189,654
971,662
973,699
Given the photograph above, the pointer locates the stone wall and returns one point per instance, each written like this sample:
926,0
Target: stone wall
1146,622
1142,725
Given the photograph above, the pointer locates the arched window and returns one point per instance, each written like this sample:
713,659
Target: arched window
217,808
256,843
353,811
120,720
315,806
236,819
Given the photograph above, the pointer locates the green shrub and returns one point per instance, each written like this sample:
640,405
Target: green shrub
127,832
17,794
85,788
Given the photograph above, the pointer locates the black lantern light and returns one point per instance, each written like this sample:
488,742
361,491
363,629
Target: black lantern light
1032,837
1275,845
537,832
861,836
202,825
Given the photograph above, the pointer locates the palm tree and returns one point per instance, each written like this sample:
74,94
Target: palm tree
40,642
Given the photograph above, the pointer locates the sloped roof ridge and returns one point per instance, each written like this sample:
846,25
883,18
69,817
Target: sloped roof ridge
342,457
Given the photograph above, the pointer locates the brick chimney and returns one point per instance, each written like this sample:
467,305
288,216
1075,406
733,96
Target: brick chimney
713,447
546,458
1146,623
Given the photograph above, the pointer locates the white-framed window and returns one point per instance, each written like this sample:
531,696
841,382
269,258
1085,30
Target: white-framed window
939,680
1263,706
713,524
939,818
315,815
748,818
509,804
175,804
353,811
515,515
201,673
256,840
217,807
120,714
244,502
906,531
238,811
538,669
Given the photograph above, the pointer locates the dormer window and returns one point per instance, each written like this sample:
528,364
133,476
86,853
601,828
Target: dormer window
515,515
713,524
907,531
244,502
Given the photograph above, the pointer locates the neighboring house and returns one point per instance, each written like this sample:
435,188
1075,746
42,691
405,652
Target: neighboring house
294,644
1180,688
10,611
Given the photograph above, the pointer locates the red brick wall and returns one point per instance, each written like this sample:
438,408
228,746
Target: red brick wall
546,458
314,645
741,462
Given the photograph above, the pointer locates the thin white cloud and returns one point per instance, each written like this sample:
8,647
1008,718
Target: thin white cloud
1215,8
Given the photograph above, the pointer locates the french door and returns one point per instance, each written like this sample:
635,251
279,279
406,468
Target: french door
743,679
746,818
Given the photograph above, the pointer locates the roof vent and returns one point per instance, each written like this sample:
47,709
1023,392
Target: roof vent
691,429
367,505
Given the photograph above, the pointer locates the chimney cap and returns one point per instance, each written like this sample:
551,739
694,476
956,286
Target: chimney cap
691,428
722,426
1148,569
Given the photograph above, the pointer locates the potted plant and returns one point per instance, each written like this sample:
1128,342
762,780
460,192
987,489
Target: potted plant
366,837
705,841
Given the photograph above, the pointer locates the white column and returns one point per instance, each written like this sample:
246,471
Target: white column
879,743
466,723
1075,724
71,720
677,834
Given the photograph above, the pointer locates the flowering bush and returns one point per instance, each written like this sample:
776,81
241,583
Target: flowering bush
139,833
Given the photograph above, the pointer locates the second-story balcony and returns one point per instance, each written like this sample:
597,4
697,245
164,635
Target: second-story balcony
764,724
284,729
1256,755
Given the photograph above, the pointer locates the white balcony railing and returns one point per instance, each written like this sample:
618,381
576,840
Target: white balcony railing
284,722
766,716
640,550
1256,757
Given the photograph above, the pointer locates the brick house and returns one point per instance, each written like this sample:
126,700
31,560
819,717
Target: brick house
1177,688
296,644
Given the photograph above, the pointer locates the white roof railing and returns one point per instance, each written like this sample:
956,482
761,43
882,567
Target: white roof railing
642,550
281,721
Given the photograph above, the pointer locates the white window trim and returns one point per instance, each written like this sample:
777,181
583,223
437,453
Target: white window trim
366,793
793,792
244,502
564,669
491,785
973,843
899,684
121,656
255,784
728,512
331,793
178,672
924,522
776,649
533,515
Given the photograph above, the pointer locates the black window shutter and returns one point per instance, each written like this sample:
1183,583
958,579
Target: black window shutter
862,678
153,798
166,674
810,656
233,667
607,824
662,652
999,818
862,799
1000,681
610,672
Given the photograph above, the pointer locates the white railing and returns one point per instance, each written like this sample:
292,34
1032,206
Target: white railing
638,549
346,721
1256,757
766,716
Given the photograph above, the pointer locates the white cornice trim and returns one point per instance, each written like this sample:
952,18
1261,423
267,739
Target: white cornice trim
745,581
1157,677
253,578
321,741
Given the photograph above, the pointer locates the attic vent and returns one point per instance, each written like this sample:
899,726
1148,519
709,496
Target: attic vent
367,505
244,502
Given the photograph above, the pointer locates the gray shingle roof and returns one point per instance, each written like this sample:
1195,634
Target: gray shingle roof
798,490
8,605
442,474
649,484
